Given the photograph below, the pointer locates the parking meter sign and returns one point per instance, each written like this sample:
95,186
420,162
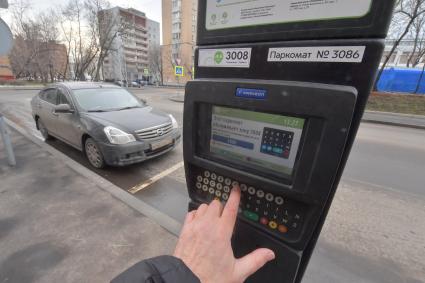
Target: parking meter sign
179,71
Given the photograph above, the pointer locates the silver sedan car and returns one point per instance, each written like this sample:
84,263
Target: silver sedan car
109,124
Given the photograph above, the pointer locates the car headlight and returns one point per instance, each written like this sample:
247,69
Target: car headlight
116,136
173,121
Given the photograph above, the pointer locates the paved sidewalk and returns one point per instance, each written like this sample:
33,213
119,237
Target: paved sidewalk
57,225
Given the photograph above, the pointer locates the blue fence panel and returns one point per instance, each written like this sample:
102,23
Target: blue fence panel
401,80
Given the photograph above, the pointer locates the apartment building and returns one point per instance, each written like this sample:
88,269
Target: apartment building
178,38
154,33
128,58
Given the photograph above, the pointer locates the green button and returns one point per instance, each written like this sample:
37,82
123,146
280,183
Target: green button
251,215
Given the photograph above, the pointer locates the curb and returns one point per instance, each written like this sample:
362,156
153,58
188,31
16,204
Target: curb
414,116
370,121
408,123
165,221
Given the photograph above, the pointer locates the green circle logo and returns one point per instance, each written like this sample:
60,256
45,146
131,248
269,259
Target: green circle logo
218,57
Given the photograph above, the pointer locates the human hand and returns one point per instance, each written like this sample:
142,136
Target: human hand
204,244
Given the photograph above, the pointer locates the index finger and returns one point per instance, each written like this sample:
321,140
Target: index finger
230,211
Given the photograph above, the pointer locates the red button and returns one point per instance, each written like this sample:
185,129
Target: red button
264,221
282,229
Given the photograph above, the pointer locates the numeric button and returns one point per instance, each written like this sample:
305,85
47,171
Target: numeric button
207,174
219,186
228,182
206,181
279,200
205,188
199,178
251,191
198,185
272,225
226,189
243,187
212,183
220,179
213,176
269,197
282,229
260,193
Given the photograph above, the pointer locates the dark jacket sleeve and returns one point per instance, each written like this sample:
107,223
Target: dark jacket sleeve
162,269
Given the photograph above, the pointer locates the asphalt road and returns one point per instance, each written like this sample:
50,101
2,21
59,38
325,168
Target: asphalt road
375,230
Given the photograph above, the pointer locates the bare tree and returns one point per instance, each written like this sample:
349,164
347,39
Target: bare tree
83,45
155,63
407,11
35,49
418,36
67,33
107,27
418,84
420,53
49,60
26,35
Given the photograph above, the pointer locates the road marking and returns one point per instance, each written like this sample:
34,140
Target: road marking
155,178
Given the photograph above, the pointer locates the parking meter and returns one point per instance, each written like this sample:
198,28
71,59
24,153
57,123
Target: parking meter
279,92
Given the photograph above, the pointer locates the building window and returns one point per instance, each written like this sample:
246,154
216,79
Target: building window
176,15
177,4
176,35
177,26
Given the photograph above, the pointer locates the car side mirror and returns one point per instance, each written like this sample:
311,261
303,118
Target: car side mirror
63,108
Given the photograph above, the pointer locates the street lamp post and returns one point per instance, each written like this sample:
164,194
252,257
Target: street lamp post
4,131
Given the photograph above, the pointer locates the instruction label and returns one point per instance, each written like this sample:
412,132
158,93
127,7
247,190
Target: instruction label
225,58
222,14
343,54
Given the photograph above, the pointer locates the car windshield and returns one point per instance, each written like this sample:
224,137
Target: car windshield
105,99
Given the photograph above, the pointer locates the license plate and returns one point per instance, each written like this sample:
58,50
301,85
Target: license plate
163,143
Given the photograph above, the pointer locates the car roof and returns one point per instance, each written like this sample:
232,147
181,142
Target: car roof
84,85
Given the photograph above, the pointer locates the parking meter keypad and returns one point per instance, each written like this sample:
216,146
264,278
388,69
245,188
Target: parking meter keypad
275,213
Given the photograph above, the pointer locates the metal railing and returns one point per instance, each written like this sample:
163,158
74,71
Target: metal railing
6,141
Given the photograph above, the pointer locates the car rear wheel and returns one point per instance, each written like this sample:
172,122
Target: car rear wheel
93,153
43,130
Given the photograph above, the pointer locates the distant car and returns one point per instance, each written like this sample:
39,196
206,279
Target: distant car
109,124
135,84
142,82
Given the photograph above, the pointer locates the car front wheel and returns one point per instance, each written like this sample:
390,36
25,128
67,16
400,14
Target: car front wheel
93,153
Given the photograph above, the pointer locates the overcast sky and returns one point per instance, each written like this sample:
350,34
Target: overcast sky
152,8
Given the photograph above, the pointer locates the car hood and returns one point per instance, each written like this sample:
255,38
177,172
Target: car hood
131,120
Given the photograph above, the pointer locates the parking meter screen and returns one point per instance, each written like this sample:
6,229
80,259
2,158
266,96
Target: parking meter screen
264,142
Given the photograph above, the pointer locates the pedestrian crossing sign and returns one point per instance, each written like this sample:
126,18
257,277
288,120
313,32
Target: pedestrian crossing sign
179,71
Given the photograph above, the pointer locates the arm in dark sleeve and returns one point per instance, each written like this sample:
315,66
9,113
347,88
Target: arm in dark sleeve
162,269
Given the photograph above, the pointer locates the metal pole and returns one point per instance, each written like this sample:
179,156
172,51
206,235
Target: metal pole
6,140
